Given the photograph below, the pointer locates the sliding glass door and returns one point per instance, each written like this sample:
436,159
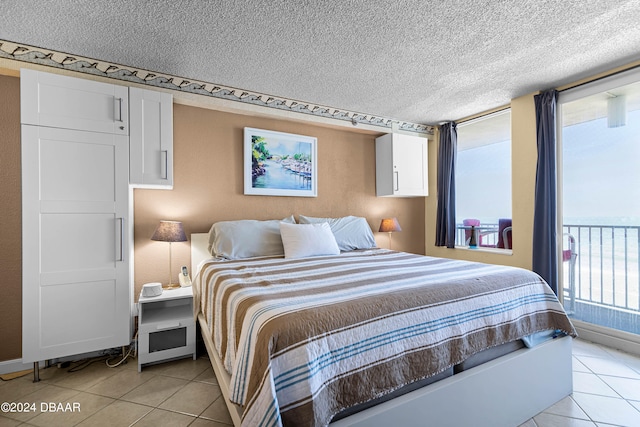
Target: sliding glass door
599,136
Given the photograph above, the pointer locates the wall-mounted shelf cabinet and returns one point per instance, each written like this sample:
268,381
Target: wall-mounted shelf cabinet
151,140
401,166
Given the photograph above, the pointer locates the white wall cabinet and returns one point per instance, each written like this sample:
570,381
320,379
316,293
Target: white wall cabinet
75,281
65,102
77,223
401,166
151,138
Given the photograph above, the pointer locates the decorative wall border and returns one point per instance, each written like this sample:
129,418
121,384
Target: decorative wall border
50,58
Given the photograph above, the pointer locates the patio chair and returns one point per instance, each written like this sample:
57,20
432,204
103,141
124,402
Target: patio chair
505,233
569,256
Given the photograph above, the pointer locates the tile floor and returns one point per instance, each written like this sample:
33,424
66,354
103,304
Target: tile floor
178,393
185,393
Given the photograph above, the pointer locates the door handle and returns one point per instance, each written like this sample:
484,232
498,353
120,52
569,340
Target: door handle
164,154
121,257
118,108
167,325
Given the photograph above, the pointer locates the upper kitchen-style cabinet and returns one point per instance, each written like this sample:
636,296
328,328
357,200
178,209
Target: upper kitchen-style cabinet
401,166
58,101
151,138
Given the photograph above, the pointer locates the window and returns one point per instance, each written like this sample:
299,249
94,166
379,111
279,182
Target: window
599,128
483,180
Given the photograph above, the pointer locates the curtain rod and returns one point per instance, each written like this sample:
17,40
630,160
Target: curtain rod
595,79
476,119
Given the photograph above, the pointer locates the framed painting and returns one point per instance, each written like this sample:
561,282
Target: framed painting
280,164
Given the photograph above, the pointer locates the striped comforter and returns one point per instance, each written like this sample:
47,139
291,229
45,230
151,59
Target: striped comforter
304,339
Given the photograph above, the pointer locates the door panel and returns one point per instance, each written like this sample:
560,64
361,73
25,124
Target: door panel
151,144
78,242
65,102
78,314
75,268
82,169
409,160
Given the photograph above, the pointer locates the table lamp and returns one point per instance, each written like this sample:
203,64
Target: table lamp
169,231
389,225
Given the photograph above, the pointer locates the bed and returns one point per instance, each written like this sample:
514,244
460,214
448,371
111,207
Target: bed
337,331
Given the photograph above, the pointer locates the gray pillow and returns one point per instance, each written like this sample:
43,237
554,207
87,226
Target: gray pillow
351,232
246,238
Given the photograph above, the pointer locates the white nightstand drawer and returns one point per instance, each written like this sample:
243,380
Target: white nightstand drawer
166,324
164,344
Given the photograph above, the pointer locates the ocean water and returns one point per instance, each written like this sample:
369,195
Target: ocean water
622,221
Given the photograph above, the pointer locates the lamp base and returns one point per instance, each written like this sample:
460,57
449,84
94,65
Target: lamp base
171,286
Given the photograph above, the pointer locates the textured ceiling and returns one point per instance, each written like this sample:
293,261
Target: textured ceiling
418,61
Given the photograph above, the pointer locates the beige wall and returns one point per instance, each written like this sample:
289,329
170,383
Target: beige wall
524,157
11,243
208,187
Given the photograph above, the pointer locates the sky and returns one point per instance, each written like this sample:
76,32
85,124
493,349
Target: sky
277,146
601,172
483,183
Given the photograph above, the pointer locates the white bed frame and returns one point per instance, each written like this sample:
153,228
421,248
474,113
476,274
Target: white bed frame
503,392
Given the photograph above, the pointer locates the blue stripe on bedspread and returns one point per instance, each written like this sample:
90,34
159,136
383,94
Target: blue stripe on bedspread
303,372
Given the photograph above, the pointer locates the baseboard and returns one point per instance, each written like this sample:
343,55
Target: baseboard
15,365
620,340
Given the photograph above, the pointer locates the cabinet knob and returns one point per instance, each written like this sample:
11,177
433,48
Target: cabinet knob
121,127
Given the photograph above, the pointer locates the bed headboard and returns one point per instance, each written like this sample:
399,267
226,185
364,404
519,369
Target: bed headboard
199,252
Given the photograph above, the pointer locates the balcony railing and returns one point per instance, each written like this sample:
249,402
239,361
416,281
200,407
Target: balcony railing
602,282
487,235
600,274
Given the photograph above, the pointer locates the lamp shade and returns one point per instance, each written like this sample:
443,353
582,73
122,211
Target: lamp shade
169,231
389,225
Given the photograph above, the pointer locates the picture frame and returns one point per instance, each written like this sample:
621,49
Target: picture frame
280,164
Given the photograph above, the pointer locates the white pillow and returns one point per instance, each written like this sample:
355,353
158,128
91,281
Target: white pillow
351,232
246,238
305,240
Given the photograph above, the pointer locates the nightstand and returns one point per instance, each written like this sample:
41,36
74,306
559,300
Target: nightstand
166,327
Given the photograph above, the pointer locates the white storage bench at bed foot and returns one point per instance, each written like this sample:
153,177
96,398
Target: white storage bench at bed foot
504,392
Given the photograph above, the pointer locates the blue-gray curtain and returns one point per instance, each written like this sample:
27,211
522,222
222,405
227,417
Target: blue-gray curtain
446,213
545,258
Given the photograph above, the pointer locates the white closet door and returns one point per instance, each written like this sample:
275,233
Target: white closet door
75,250
70,103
